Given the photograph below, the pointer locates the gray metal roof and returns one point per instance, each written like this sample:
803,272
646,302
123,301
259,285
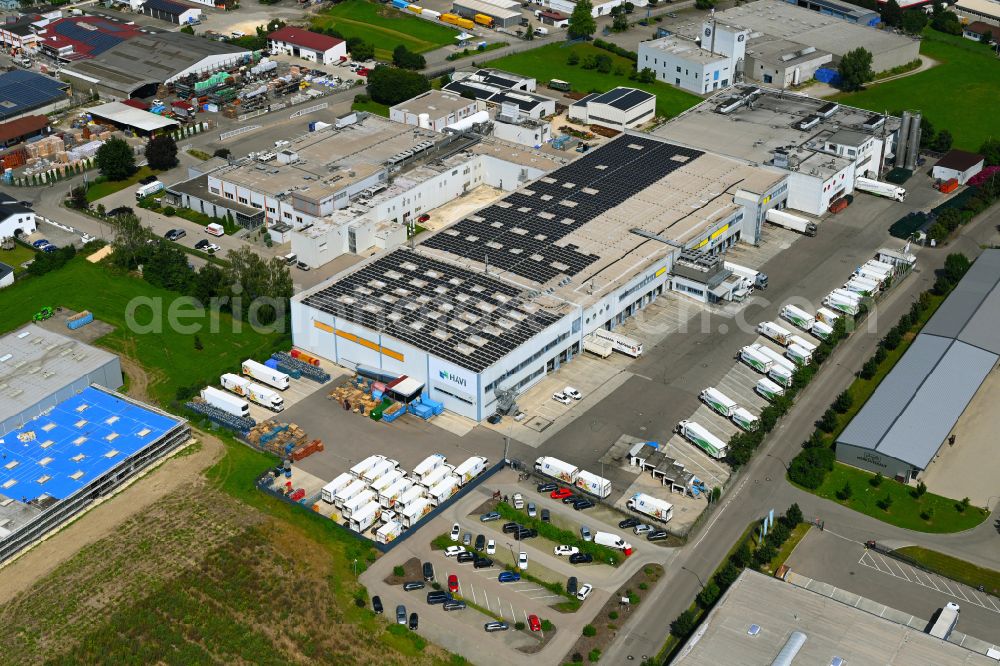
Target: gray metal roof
918,403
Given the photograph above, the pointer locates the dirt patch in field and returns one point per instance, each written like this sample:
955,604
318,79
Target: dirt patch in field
412,570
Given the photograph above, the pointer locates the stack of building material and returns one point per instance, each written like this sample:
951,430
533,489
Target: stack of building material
306,450
277,438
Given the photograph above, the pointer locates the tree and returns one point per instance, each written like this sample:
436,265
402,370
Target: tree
986,37
264,286
619,23
704,4
942,142
646,75
727,575
604,63
407,59
828,422
529,33
869,369
793,515
855,69
843,402
360,50
161,152
78,197
914,21
845,492
920,490
581,22
131,240
224,153
115,159
388,85
946,22
709,594
956,265
188,30
684,624
167,267
876,480
210,282
892,14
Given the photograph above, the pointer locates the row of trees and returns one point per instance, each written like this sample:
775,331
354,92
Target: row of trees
810,467
116,160
746,555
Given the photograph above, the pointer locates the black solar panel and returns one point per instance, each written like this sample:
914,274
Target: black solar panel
22,91
98,41
468,318
633,98
524,232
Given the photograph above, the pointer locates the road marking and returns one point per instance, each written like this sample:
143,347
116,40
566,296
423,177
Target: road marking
474,599
486,597
512,613
499,607
547,596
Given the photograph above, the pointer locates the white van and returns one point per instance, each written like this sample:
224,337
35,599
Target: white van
215,229
290,258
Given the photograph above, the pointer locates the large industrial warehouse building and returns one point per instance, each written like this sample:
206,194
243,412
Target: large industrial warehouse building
70,456
508,293
39,369
915,408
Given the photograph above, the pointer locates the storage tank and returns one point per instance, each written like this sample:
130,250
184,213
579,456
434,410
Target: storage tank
913,142
901,139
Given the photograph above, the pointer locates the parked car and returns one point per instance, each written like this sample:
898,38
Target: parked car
437,597
496,626
480,542
49,248
452,583
532,510
411,585
565,550
562,398
546,516
527,534
491,547
451,551
482,563
149,179
510,527
303,266
414,621
175,234
585,533
570,499
487,517
628,522
533,623
584,591
583,503
657,535
642,528
494,418
40,243
522,560
467,539
546,487
202,244
456,531
454,604
581,558
508,577
428,571
377,604
518,501
561,493
400,614
465,557
571,584
572,393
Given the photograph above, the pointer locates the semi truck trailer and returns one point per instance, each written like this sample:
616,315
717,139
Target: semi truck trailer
593,484
802,342
744,419
946,621
827,316
756,278
444,489
261,395
702,438
752,357
768,389
879,188
779,334
800,355
230,404
387,497
863,286
789,221
331,489
718,401
262,373
821,330
653,507
470,469
621,343
346,494
780,375
557,469
776,357
842,303
363,498
598,346
798,317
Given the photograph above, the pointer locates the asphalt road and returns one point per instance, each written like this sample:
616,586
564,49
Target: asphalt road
763,487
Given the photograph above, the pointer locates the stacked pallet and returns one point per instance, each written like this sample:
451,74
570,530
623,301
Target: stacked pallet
277,438
355,398
306,450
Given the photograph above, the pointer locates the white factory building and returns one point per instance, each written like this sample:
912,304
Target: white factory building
434,109
507,294
697,67
619,108
308,45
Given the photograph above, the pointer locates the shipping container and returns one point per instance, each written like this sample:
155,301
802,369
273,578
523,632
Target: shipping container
444,489
144,191
470,469
428,465
331,489
718,401
432,478
351,491
388,497
593,484
366,465
388,532
365,516
414,511
386,480
484,20
598,346
653,507
557,469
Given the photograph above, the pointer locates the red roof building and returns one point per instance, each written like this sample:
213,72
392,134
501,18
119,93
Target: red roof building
81,37
307,45
23,128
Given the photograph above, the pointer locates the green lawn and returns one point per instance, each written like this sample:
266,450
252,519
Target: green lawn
549,62
384,27
100,190
944,514
14,258
952,95
170,356
954,568
371,106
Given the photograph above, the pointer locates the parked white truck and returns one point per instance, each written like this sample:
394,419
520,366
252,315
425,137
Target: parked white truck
598,346
365,516
388,532
612,541
768,389
363,498
331,489
798,317
744,419
414,511
718,401
756,278
144,191
779,334
348,493
557,469
751,356
230,404
444,489
879,188
593,484
653,507
789,221
262,373
702,438
622,343
470,469
428,465
261,395
946,621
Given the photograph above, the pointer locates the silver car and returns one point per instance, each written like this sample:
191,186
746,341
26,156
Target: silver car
401,614
585,533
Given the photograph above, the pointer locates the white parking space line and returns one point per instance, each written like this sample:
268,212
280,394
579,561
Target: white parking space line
930,581
547,596
499,607
474,599
512,613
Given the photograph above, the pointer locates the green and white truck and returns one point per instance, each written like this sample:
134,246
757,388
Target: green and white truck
718,401
798,317
768,389
702,438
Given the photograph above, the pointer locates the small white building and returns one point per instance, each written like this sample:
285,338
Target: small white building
959,165
698,68
620,108
518,129
434,109
308,45
6,276
15,219
599,8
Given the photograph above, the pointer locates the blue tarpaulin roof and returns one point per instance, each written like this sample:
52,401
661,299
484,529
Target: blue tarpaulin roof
59,453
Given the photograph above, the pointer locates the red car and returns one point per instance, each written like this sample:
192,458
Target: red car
423,218
533,623
561,493
452,583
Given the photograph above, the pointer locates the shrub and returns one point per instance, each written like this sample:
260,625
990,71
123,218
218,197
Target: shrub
828,422
845,492
963,505
519,626
919,491
869,369
810,466
843,402
398,571
613,615
169,211
793,516
589,630
684,624
709,594
643,586
727,575
594,655
876,480
577,658
546,625
573,58
885,502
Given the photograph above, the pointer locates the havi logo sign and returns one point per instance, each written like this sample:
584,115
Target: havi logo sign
444,374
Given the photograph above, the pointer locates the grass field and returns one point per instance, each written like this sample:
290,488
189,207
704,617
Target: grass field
100,190
14,258
952,95
371,106
549,62
943,513
169,357
384,27
954,568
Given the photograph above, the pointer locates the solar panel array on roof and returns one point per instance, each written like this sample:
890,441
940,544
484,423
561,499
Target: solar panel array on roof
623,98
523,232
21,91
468,318
80,439
496,78
98,41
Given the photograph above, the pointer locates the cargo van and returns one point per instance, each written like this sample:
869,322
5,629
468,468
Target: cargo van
215,229
290,258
